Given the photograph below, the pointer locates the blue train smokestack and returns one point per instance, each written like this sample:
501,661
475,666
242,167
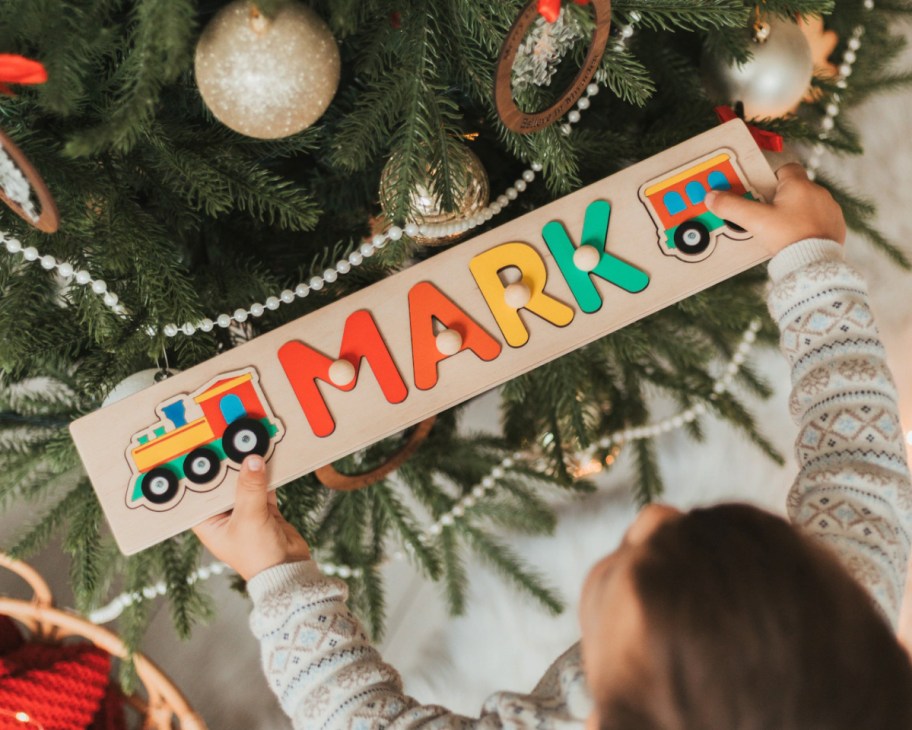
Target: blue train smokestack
176,413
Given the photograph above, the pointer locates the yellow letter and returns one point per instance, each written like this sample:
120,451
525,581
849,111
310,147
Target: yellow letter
484,268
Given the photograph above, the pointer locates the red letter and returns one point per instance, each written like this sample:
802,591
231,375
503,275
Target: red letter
360,339
427,303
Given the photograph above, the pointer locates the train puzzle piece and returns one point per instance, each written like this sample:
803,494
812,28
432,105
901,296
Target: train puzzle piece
174,455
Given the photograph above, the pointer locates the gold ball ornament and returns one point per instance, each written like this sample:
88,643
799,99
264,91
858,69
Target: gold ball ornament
267,77
425,207
773,81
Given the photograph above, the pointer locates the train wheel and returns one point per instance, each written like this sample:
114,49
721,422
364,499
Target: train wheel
243,437
160,485
692,238
201,465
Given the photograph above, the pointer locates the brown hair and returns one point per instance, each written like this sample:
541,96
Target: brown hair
752,626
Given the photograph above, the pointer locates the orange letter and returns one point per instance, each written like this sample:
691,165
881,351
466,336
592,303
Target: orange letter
360,339
427,303
484,268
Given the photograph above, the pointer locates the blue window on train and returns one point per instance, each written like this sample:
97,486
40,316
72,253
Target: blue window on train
695,191
718,181
674,203
231,408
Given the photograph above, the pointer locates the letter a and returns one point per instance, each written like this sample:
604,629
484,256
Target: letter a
427,303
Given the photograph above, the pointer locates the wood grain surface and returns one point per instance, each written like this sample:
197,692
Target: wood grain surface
362,414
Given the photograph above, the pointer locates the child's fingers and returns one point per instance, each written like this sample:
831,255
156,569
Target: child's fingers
250,501
209,527
732,207
791,171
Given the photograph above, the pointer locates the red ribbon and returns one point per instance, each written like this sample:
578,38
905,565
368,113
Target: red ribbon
765,140
550,9
19,70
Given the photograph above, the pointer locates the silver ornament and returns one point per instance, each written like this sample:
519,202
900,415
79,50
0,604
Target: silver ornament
773,81
136,382
267,77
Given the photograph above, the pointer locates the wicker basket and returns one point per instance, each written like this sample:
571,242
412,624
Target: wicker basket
162,705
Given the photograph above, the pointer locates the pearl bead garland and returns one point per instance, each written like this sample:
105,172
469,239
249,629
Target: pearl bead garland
65,270
828,123
342,267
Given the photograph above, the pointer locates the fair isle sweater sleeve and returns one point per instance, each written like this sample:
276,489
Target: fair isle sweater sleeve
327,676
853,490
319,662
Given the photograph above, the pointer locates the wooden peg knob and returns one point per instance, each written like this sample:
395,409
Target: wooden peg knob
341,372
586,258
449,342
517,295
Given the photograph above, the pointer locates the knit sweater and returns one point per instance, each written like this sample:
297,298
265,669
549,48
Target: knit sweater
852,492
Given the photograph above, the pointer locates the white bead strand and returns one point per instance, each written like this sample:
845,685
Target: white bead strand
834,105
65,270
395,233
330,275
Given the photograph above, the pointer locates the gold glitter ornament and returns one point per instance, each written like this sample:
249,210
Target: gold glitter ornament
425,207
267,77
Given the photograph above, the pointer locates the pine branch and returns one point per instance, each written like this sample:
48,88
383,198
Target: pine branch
389,504
504,561
83,544
455,578
160,45
649,481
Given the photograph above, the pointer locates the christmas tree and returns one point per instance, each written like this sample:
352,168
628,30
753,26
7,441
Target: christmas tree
200,208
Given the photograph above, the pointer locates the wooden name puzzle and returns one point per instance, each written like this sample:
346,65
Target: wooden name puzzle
421,341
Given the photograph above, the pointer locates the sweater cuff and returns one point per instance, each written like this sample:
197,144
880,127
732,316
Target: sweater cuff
802,253
282,578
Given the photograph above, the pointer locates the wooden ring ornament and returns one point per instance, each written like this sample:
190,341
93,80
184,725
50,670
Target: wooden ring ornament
333,479
512,117
49,219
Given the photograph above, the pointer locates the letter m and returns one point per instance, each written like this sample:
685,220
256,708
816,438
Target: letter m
304,366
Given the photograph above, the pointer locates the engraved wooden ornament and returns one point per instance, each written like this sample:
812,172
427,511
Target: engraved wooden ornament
330,477
48,219
511,115
167,458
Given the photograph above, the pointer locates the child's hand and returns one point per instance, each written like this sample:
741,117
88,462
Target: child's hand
799,210
254,535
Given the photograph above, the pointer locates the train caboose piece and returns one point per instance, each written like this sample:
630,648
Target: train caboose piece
687,229
236,421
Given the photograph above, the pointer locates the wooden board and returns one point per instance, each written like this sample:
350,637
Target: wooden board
257,386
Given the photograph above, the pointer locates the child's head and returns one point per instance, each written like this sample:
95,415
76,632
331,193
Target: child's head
729,618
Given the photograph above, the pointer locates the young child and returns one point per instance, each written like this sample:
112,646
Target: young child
723,618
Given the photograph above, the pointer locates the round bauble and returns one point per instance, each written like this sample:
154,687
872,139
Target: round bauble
136,382
773,81
267,77
425,207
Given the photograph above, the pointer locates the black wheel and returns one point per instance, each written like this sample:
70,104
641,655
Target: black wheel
692,238
244,437
160,485
201,465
